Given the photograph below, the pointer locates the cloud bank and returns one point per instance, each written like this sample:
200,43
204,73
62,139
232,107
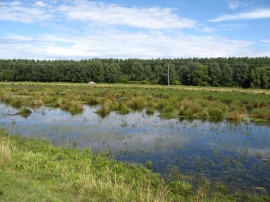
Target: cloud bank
87,29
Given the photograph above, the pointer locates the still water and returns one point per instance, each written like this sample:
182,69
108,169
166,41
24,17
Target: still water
235,154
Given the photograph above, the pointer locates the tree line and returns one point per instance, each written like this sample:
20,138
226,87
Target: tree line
238,72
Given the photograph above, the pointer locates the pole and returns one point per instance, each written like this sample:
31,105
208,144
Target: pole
168,74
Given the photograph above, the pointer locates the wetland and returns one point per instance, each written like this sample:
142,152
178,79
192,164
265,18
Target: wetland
183,134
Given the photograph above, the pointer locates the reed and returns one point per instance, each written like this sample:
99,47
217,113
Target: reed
104,110
24,112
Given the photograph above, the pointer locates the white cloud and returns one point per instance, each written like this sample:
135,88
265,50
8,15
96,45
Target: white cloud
119,44
233,5
15,11
110,14
40,4
251,15
265,42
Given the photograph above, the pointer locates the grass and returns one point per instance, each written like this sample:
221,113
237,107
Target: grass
24,112
33,170
184,102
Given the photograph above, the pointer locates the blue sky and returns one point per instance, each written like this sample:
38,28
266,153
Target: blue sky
66,29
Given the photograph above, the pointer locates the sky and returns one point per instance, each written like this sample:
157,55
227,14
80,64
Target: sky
145,29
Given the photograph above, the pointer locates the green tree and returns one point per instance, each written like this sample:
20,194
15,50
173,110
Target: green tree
111,72
214,73
200,76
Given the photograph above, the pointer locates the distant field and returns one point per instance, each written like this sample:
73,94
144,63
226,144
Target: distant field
143,86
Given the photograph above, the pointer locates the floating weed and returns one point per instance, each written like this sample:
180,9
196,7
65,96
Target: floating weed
24,112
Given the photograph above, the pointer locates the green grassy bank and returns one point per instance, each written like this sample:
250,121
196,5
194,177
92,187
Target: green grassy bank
33,170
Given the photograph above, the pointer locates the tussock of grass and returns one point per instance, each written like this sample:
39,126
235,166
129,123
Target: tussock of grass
137,103
5,153
104,110
5,149
261,114
24,112
236,116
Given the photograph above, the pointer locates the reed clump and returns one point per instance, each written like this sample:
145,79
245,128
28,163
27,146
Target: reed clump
104,110
122,108
24,112
237,112
70,106
137,103
259,104
261,114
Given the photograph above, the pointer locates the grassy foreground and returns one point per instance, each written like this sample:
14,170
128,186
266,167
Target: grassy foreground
204,103
33,170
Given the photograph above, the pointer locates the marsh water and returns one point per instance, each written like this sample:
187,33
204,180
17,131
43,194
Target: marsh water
237,155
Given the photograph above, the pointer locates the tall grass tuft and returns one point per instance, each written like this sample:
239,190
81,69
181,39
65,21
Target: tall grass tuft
70,106
5,148
137,103
216,114
261,114
104,110
24,112
122,108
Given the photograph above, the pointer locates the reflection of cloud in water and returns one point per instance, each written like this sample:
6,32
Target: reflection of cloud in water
135,143
136,137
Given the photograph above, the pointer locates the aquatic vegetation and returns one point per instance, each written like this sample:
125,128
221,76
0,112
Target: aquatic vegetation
137,103
261,114
93,101
104,110
216,114
122,108
70,106
24,112
185,102
16,103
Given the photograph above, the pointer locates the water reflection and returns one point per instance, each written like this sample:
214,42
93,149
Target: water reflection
237,154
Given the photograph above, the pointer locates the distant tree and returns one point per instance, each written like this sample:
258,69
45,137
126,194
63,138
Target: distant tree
227,75
173,77
6,75
260,77
111,72
200,76
241,72
214,73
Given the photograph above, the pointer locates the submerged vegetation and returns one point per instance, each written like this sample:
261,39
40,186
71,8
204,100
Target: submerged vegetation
208,103
33,170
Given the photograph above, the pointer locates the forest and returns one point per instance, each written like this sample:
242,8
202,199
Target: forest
227,72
